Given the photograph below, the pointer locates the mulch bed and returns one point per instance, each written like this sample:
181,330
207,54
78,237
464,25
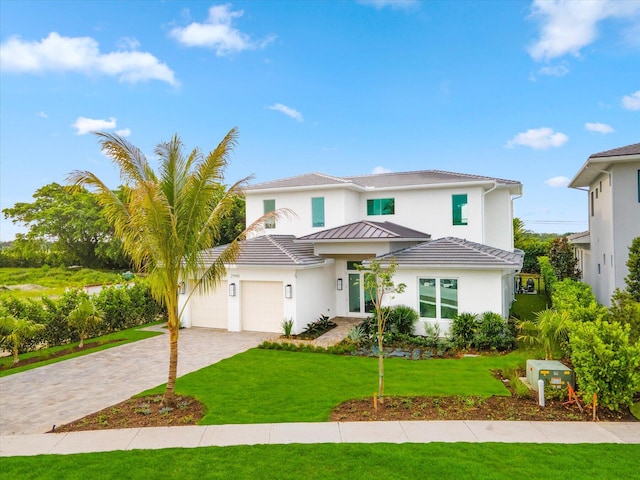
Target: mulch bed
140,412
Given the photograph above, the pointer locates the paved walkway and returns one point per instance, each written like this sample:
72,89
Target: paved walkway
35,400
330,432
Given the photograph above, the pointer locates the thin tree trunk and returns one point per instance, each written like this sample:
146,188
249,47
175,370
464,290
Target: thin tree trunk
81,344
380,369
16,357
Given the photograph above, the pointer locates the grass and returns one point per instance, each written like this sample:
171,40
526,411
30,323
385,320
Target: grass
462,461
123,336
526,306
52,280
262,386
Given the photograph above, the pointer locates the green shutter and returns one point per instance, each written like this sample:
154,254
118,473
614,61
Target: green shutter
459,201
317,211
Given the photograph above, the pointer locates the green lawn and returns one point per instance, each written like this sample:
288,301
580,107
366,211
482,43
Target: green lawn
261,386
526,306
440,461
123,336
53,281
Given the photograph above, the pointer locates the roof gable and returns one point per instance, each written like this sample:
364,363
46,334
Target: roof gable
366,230
598,162
269,250
452,252
418,178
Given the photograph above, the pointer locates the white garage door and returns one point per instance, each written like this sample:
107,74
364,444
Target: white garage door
210,309
262,306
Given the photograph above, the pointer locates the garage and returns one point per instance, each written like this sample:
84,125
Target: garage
262,306
210,309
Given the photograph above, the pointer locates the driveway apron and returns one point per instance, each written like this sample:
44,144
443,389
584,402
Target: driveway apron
35,400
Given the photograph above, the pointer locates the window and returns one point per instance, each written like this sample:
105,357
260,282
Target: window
438,298
460,209
592,200
596,192
598,269
317,212
269,206
381,206
638,186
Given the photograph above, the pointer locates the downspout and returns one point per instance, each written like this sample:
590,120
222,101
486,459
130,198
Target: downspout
484,194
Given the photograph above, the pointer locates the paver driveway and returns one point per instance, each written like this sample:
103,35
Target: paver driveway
33,401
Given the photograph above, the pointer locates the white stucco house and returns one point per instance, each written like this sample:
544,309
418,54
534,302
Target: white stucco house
611,180
451,236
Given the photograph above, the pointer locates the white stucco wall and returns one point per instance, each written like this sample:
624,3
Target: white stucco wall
498,219
626,217
314,295
478,291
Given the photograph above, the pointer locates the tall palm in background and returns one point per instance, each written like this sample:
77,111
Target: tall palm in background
167,218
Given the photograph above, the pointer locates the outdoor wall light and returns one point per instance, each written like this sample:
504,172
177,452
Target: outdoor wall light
232,289
288,291
339,284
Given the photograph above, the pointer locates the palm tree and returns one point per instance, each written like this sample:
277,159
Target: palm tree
167,218
550,330
85,316
13,331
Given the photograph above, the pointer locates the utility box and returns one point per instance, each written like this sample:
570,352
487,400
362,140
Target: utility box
554,374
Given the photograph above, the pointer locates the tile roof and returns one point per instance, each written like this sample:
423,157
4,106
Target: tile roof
633,149
400,179
366,230
450,252
580,237
270,250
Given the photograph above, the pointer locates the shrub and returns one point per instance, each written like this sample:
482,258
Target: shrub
548,274
577,299
625,310
493,333
606,363
402,319
463,329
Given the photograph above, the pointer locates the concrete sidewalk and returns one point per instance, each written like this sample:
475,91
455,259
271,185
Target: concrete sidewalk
330,432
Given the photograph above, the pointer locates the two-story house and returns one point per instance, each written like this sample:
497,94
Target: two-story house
451,236
612,182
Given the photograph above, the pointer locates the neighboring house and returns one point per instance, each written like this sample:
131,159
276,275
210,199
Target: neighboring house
612,180
451,235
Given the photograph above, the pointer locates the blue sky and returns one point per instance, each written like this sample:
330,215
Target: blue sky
513,89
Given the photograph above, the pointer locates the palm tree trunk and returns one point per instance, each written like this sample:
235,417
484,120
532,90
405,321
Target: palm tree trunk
169,398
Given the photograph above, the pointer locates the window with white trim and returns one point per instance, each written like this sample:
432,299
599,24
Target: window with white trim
438,297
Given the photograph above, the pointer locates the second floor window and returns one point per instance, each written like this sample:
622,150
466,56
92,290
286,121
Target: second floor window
460,209
269,206
317,211
381,206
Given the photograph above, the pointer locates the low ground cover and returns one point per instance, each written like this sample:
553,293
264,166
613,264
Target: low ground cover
46,356
45,281
327,461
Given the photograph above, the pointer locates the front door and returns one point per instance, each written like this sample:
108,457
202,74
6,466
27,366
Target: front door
359,299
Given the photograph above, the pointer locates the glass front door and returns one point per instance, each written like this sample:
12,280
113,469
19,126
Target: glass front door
359,299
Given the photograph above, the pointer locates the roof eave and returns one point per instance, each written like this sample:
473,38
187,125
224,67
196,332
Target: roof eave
586,175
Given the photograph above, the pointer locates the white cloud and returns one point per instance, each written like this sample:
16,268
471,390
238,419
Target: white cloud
395,4
218,33
125,132
632,102
568,26
378,170
538,139
42,115
558,181
289,112
81,55
84,125
554,70
599,127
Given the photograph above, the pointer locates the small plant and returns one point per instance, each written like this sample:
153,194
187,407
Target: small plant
357,334
287,326
165,411
144,409
463,329
102,420
187,419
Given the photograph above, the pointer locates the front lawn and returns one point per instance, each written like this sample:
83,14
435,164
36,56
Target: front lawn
527,305
461,461
263,386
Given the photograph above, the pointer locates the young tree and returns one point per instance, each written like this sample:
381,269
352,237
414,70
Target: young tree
166,219
83,318
13,331
633,279
378,282
563,260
